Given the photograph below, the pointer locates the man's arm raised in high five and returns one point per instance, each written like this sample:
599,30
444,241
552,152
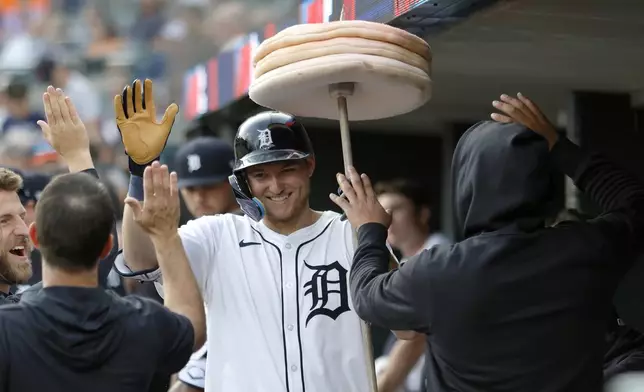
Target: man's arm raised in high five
144,140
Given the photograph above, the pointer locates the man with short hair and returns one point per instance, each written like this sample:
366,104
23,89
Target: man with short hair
15,266
72,333
408,202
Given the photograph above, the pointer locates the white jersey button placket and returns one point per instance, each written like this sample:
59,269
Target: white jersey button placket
290,316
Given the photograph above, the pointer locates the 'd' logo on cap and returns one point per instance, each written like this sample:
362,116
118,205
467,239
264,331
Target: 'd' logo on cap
194,162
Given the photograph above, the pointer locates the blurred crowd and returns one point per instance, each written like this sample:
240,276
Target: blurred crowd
91,49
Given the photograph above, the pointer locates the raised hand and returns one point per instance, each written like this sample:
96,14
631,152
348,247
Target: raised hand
64,130
359,201
143,137
523,111
159,214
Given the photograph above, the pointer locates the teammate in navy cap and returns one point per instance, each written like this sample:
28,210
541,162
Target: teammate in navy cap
203,166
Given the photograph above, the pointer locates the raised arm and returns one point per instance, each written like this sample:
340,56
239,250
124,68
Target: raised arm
159,218
619,194
144,139
382,297
67,134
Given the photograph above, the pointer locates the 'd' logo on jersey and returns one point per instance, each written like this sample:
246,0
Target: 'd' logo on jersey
327,288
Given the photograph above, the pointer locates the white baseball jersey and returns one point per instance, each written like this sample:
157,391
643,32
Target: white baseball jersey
278,307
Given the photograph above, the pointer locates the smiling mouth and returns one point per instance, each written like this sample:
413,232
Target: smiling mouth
280,199
18,251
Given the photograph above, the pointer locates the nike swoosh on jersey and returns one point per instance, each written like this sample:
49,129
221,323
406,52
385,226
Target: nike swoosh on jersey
243,244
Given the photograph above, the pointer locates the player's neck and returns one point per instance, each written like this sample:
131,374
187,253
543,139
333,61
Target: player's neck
305,219
55,277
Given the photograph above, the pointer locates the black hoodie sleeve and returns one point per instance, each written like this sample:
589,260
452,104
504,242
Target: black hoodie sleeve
617,192
389,299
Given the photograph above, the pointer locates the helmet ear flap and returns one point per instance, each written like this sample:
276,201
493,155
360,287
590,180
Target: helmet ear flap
249,205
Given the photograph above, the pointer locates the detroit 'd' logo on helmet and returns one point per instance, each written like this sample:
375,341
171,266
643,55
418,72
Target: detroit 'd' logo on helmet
265,139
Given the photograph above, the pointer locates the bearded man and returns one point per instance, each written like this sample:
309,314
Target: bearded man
15,266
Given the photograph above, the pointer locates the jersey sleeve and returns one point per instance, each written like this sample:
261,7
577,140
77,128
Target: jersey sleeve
200,241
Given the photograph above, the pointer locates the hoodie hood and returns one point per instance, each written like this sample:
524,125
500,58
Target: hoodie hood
502,176
80,325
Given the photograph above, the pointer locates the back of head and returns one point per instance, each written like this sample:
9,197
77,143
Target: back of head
502,176
74,219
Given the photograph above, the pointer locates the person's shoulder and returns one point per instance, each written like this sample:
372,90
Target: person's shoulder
334,219
11,314
140,310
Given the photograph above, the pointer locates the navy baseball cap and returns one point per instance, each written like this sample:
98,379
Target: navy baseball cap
32,186
204,160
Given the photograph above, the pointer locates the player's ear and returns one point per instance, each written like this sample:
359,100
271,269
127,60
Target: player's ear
310,165
107,248
33,234
425,215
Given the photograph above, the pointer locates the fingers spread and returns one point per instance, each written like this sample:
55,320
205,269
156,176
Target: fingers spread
530,105
55,107
508,109
347,189
148,97
174,187
368,188
135,206
501,118
124,102
73,113
138,105
118,109
129,102
356,182
45,129
170,114
340,201
148,186
64,109
49,115
157,180
165,179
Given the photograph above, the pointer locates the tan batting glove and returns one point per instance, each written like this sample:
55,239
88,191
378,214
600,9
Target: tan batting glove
143,137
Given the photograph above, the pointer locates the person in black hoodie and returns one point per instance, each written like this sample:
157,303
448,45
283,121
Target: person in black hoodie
72,334
516,305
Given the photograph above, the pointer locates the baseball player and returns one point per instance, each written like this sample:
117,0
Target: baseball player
274,281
